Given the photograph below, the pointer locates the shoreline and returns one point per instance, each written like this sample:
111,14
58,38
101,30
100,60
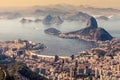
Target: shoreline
48,56
78,53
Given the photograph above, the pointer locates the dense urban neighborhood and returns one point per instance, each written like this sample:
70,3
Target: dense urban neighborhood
101,63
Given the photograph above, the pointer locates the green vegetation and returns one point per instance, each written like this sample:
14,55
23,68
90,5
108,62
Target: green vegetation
1,75
18,71
100,53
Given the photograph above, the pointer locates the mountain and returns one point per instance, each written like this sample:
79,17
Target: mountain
92,23
10,15
91,32
79,16
65,8
18,71
48,19
57,20
102,18
52,20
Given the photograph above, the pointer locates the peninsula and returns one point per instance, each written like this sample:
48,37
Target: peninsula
90,33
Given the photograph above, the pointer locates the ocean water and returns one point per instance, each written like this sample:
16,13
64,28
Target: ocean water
13,29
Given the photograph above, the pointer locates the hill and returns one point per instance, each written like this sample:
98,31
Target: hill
18,71
90,33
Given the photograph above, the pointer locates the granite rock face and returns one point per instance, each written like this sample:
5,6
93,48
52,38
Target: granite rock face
91,33
92,23
102,35
48,20
57,20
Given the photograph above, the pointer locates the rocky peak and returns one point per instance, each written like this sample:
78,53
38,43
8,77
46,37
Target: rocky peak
102,35
91,33
47,19
92,23
57,20
52,20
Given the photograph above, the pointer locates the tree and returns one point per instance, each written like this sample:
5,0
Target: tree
72,57
56,58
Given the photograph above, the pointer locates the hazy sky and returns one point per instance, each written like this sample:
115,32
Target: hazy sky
98,3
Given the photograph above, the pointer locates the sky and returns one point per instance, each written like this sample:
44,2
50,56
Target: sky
26,3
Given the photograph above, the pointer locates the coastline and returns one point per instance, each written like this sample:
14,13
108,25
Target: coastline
99,43
48,56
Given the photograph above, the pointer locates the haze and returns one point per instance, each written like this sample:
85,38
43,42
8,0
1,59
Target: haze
25,3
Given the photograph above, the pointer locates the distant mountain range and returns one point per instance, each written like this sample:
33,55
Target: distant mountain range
57,10
52,20
66,9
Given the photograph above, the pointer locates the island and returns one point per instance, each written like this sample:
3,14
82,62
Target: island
52,31
49,20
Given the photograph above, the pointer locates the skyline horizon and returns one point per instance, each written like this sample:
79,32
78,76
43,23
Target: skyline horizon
28,3
85,5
